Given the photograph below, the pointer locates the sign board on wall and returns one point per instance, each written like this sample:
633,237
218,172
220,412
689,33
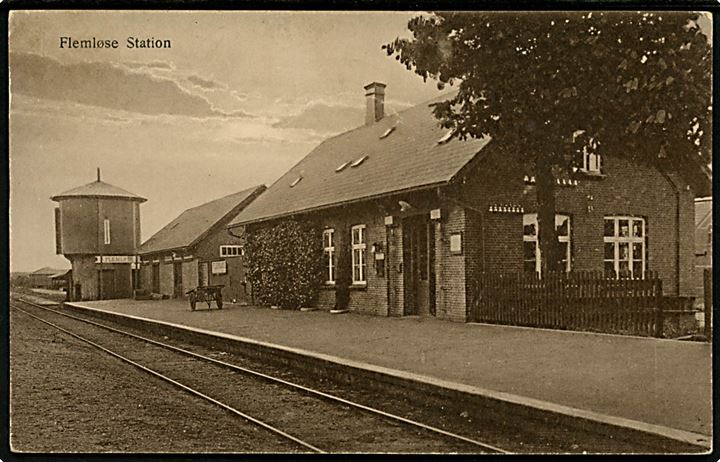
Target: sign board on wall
115,259
218,267
456,243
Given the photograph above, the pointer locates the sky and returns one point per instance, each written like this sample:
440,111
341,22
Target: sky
238,99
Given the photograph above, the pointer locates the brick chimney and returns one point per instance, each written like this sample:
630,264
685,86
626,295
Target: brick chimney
375,102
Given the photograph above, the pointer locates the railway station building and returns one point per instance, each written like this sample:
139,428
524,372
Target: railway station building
196,249
422,213
97,228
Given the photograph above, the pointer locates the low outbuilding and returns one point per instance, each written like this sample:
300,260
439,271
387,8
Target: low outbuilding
196,249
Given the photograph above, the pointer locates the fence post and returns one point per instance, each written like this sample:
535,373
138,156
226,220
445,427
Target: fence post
707,293
659,318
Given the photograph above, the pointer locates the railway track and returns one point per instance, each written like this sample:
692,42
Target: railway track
314,420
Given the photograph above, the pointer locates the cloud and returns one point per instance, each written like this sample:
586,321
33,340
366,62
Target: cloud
150,65
205,83
108,86
324,118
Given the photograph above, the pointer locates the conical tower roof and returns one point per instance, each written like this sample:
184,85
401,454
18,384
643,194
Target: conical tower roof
98,189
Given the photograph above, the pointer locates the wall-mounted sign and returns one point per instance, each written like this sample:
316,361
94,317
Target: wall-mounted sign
389,220
218,267
379,256
435,214
456,243
115,259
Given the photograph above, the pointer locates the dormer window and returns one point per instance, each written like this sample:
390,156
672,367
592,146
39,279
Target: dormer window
590,158
387,132
446,137
359,161
297,180
591,162
342,166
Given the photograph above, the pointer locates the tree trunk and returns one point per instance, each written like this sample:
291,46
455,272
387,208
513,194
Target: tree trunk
547,237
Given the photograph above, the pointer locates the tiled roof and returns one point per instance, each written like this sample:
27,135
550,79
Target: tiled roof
98,189
193,224
409,157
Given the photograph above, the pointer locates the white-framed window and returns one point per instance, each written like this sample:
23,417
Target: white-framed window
329,252
532,259
106,231
591,162
231,251
625,250
359,265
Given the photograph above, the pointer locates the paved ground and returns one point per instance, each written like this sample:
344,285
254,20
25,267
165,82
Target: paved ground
661,382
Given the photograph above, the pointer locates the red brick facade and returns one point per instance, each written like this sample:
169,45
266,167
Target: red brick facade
493,241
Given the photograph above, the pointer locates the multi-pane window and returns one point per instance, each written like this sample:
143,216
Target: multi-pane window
625,252
231,250
329,249
591,162
532,260
106,231
358,254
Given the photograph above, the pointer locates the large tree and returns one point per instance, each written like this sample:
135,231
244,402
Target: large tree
550,85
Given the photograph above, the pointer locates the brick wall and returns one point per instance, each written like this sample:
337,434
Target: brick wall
208,249
626,189
372,298
687,277
84,272
393,269
450,267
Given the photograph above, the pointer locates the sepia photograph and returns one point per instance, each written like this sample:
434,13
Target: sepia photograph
360,232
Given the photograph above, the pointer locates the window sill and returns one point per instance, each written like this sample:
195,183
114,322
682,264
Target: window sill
350,287
590,175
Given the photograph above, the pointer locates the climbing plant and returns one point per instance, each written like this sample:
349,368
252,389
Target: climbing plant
284,263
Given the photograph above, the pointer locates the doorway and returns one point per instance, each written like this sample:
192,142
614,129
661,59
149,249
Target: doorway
419,264
177,280
203,276
156,278
108,290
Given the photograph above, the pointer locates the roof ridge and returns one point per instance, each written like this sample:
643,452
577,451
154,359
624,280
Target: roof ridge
244,191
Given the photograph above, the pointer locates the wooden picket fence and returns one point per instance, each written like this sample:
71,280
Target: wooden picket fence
574,301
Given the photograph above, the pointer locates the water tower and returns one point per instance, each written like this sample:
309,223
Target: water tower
97,228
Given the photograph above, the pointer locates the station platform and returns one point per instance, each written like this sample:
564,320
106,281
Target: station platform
654,385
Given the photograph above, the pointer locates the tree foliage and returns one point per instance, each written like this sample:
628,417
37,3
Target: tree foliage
633,84
284,263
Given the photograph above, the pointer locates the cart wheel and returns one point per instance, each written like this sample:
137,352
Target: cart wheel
192,302
218,300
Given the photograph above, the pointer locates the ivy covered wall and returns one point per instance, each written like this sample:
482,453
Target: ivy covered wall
284,263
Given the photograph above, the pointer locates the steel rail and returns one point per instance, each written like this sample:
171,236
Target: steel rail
175,382
290,384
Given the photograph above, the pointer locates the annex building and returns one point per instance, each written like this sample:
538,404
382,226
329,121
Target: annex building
196,249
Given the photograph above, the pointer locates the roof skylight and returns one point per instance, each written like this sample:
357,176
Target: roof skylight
297,180
388,131
446,137
342,166
359,161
